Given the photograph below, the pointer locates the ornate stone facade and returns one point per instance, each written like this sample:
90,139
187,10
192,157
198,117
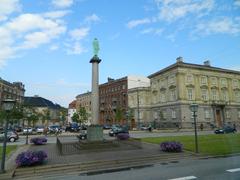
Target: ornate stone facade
215,90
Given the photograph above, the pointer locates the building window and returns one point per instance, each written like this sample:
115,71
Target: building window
171,79
173,114
214,94
237,96
204,94
224,95
223,82
173,95
190,94
162,97
235,83
203,80
189,79
214,81
206,114
228,116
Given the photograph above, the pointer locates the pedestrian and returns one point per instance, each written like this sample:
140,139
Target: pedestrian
150,128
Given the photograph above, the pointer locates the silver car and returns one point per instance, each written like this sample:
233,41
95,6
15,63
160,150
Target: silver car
11,136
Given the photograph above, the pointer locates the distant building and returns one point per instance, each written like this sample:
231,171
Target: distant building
13,90
50,112
84,100
174,88
71,110
113,97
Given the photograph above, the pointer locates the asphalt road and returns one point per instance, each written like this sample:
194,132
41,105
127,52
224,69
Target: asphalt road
135,134
205,169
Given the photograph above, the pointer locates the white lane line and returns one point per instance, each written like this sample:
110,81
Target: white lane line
233,170
185,178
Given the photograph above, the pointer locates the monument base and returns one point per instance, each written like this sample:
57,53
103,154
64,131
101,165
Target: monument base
95,133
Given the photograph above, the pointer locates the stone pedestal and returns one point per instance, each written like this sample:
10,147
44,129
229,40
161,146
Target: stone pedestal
95,133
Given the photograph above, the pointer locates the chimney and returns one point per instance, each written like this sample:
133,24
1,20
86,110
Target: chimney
207,63
179,59
110,79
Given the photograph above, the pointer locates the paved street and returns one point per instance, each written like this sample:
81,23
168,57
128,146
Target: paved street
135,134
204,169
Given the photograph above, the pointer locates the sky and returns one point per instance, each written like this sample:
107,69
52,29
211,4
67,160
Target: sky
47,44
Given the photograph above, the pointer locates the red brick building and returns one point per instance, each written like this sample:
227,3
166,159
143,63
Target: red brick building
113,99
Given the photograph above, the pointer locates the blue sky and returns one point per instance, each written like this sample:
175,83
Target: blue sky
47,44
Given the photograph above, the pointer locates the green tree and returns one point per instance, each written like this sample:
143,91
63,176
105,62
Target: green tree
118,115
75,117
83,115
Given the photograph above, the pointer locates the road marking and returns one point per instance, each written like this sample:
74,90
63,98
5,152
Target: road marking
233,170
185,178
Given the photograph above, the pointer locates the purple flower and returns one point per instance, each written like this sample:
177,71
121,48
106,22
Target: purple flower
123,136
29,158
171,146
39,140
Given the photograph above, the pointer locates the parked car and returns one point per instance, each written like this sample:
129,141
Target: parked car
143,127
28,130
18,128
74,127
39,129
106,126
116,130
11,135
54,129
224,130
82,135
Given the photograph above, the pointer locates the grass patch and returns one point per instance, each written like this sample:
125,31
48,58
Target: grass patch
9,149
214,144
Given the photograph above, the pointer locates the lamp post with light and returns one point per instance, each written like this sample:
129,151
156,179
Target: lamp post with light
194,108
29,114
7,105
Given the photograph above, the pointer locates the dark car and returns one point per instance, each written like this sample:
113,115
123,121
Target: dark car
106,126
12,136
116,130
82,135
224,130
74,127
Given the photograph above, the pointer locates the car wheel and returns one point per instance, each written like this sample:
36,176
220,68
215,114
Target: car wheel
11,139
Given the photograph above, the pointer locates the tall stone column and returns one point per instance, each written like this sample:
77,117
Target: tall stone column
95,131
95,90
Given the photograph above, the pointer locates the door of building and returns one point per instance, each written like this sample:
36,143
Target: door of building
218,118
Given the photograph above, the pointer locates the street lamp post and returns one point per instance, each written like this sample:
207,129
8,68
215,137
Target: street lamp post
138,111
28,117
194,108
8,105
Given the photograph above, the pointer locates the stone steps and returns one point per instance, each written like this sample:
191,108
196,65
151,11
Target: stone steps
95,166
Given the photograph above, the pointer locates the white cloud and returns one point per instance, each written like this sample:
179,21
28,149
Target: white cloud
75,48
134,23
56,14
7,7
53,47
62,3
27,31
153,31
92,18
171,10
223,25
80,33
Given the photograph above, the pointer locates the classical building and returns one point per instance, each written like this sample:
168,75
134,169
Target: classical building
13,90
215,90
84,100
113,98
71,110
139,103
